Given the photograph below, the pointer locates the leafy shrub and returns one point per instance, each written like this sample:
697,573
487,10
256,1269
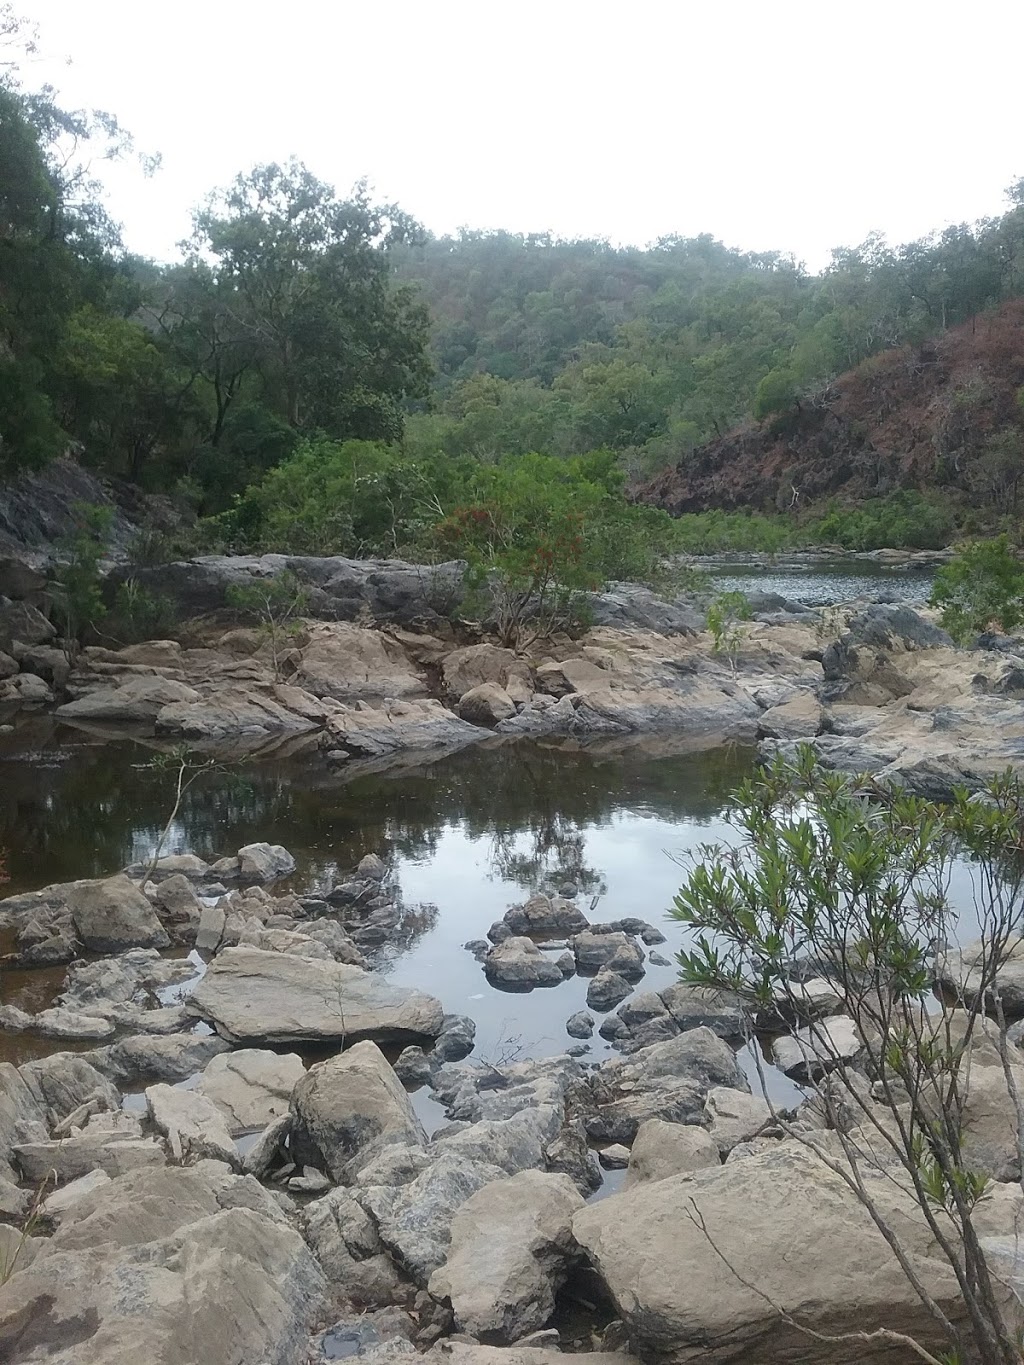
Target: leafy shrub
905,520
981,587
79,604
139,614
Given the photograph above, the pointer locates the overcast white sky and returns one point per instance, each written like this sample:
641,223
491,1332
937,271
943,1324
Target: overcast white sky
798,125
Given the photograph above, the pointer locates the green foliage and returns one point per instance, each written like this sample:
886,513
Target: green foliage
80,602
139,614
776,393
981,588
903,520
725,615
718,532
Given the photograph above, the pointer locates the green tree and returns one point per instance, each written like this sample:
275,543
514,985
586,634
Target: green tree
981,588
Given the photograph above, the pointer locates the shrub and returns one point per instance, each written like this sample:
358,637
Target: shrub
79,604
983,586
905,520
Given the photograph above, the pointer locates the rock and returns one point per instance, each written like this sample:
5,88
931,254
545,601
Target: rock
617,951
21,623
112,914
376,732
668,1080
161,1261
352,1256
349,663
352,1106
466,670
250,995
989,1125
455,1352
63,1081
487,704
545,917
143,1057
193,1125
580,1025
54,1023
566,964
268,1147
517,964
655,1016
134,700
661,1150
510,1250
607,990
211,929
961,972
57,1203
570,1154
615,1157
456,1039
734,1116
8,667
264,863
799,718
813,1051
78,1155
372,868
413,1067
251,1087
792,1229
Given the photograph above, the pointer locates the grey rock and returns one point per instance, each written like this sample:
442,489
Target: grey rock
192,1124
251,1087
518,964
372,868
546,916
456,1039
607,990
111,915
263,863
580,1025
661,1150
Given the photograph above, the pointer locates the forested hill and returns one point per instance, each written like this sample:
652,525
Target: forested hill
946,415
567,346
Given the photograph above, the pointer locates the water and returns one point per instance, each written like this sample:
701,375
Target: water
823,583
464,837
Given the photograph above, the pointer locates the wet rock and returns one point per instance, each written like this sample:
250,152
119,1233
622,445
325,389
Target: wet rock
487,704
456,1039
580,1025
606,990
374,732
112,914
733,1116
26,690
251,1087
133,700
661,1150
617,951
372,868
192,1124
160,1260
650,935
788,1225
352,1106
546,916
566,964
346,1244
518,964
413,1067
263,863
668,1080
251,995
510,1250
657,960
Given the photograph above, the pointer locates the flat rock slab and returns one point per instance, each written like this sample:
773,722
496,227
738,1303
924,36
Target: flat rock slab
250,995
251,1087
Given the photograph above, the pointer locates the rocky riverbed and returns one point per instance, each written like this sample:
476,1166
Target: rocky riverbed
222,1152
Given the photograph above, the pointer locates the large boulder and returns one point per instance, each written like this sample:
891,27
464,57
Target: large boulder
264,863
170,1265
700,1264
464,670
661,1150
351,1106
510,1252
655,1016
667,1080
135,700
799,718
350,663
546,917
112,915
375,732
617,951
487,704
251,1087
345,1241
192,1124
250,995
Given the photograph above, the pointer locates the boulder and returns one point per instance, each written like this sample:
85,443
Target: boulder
72,1157
661,1150
350,1107
960,972
375,732
487,704
372,868
143,1057
63,1081
517,964
465,670
617,951
799,718
251,1087
818,1048
668,1080
22,624
351,1254
655,1016
193,1125
580,1025
263,863
112,914
510,1251
249,994
21,1115
734,1116
210,933
136,700
348,663
795,1235
606,990
159,1269
546,917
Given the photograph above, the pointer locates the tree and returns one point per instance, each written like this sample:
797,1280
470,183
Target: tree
846,881
775,394
305,277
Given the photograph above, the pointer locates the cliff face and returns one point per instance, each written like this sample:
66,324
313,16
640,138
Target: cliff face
943,415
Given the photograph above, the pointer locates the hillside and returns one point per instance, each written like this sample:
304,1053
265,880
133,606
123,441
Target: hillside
945,416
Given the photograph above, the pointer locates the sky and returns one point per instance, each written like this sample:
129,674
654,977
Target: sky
798,126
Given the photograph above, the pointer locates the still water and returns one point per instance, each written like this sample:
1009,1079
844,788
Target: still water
818,583
464,837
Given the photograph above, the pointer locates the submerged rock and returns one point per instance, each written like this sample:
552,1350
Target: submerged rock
517,963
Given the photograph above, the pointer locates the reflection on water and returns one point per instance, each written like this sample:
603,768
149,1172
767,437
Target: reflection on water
465,837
